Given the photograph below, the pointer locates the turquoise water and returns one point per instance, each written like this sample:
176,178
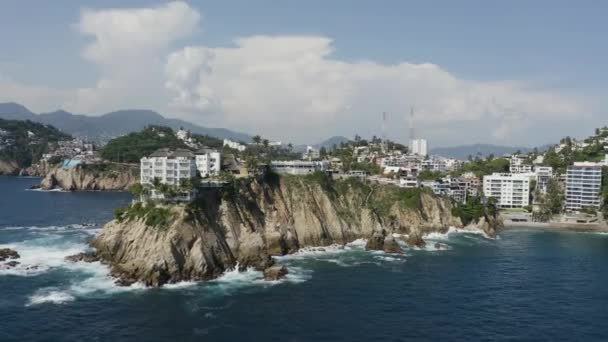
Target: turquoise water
525,286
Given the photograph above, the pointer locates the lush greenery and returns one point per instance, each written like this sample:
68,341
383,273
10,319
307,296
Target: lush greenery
475,209
427,175
605,190
154,216
550,203
481,167
19,146
132,147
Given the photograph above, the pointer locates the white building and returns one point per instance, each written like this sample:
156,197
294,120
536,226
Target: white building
509,189
419,147
543,175
518,164
208,162
298,167
170,167
583,186
409,182
311,153
234,145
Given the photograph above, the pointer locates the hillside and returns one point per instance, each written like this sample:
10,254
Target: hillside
482,150
105,127
24,142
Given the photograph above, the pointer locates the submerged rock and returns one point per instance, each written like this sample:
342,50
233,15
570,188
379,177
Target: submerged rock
440,246
12,263
84,256
415,240
275,273
391,246
7,253
376,242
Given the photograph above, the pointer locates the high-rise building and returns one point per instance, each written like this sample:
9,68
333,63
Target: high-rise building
419,147
510,190
583,186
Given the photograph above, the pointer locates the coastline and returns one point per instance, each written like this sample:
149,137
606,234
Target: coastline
558,226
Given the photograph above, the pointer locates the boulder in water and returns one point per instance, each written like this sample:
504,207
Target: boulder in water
376,242
275,273
415,240
84,256
12,263
7,253
440,246
391,246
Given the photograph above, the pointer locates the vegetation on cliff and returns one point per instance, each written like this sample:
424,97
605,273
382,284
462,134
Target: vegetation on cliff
132,147
24,142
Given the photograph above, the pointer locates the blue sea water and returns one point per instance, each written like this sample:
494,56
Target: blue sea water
525,286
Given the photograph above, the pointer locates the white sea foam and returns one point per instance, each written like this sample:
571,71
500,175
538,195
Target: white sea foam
51,190
50,295
453,231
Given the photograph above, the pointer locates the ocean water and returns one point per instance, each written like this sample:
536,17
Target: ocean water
524,286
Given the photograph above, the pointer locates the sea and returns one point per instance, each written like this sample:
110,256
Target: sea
525,285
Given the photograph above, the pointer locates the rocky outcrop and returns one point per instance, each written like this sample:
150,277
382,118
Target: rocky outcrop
101,177
7,253
84,256
37,170
391,246
245,224
489,224
274,273
9,168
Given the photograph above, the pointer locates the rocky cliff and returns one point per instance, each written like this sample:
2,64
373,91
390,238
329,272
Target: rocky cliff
247,223
104,177
9,168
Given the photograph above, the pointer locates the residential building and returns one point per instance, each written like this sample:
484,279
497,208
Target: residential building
519,164
311,153
419,147
298,167
170,167
543,175
583,186
511,190
208,162
234,145
409,182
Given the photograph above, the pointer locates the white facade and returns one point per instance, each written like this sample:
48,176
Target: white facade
409,182
583,186
419,147
298,167
510,190
518,165
234,145
208,162
169,167
543,175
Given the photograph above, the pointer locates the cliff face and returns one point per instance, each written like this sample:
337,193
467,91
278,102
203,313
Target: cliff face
254,220
90,177
8,168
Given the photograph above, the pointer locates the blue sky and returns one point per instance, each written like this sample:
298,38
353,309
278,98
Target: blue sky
553,51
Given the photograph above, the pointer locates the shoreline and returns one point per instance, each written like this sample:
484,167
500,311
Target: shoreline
558,226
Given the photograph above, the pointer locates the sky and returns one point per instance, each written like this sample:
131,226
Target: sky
518,72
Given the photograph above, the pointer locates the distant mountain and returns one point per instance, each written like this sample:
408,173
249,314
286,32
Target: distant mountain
329,143
105,127
464,151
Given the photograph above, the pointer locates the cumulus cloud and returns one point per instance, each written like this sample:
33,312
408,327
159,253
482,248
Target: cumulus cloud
291,83
129,46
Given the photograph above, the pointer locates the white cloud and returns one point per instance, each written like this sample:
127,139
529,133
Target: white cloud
129,46
291,84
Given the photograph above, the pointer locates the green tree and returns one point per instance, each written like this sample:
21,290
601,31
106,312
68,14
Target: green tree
256,139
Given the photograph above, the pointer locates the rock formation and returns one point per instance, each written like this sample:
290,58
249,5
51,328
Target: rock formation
274,273
7,253
104,177
9,168
246,223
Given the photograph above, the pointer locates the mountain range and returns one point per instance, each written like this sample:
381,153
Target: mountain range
483,150
105,127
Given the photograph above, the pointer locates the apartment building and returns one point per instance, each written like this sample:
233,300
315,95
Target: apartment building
170,167
298,167
208,162
543,175
510,190
519,164
419,147
583,186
